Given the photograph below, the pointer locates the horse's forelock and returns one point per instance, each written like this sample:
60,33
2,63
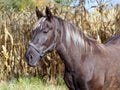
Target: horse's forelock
39,22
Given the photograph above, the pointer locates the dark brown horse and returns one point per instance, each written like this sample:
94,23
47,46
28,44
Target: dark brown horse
89,65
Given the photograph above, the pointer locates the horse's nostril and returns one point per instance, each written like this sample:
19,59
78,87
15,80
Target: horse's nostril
30,57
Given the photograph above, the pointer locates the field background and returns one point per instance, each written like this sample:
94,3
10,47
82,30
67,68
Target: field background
16,21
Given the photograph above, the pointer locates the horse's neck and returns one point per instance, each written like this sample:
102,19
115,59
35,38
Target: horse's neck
73,56
75,46
74,39
72,47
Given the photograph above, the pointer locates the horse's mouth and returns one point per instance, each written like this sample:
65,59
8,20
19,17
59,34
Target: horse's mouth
31,65
32,62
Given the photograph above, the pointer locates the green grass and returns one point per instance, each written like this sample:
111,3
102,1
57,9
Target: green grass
31,84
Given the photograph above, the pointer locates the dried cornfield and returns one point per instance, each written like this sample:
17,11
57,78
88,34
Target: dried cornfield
15,33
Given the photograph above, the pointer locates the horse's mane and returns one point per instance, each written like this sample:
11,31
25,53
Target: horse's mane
74,35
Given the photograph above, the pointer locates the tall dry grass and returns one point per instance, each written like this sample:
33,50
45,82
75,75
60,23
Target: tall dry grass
15,33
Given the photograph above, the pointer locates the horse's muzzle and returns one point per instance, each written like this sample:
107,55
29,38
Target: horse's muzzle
32,56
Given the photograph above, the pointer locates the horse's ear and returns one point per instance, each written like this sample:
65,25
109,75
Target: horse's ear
48,13
38,13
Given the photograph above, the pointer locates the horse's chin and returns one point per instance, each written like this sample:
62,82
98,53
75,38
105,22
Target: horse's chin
33,63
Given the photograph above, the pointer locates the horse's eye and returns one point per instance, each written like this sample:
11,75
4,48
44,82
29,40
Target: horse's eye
45,31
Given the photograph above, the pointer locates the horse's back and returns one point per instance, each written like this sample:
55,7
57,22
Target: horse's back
115,40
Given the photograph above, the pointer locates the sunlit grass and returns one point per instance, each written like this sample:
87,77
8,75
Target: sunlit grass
30,84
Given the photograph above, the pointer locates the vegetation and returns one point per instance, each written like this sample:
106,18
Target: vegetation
64,2
20,5
16,4
31,84
15,33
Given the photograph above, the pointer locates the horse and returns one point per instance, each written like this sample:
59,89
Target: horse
89,65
